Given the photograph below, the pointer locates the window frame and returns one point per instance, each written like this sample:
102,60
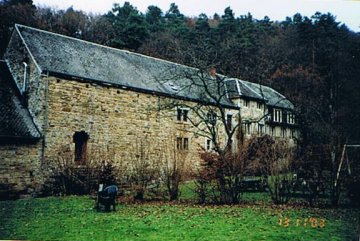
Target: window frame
185,143
261,128
229,120
277,115
247,127
208,144
182,114
247,103
182,143
291,118
259,105
211,117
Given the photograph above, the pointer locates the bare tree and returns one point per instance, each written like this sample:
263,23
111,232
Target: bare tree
175,169
273,158
144,168
202,100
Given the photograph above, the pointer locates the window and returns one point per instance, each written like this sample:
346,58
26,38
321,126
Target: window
208,144
277,115
291,118
229,121
293,134
273,131
185,114
186,143
260,129
182,143
259,105
182,114
283,132
246,103
247,128
178,143
80,139
211,117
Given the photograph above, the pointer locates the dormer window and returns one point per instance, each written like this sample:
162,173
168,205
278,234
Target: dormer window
291,118
277,115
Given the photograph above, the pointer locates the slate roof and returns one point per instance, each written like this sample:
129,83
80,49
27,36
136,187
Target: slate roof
15,119
57,54
272,97
245,89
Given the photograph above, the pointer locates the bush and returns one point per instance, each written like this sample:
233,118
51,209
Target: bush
219,178
67,178
273,159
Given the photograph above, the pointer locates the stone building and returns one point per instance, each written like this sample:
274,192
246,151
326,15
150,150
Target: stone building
64,97
264,110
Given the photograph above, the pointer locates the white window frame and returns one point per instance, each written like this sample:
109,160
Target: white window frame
208,145
277,115
291,118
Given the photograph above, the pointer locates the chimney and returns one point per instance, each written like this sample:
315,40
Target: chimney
212,72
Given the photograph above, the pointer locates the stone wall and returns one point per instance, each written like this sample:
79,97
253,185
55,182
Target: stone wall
21,170
256,111
121,124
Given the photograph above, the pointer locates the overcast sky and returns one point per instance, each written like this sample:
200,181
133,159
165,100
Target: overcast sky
346,11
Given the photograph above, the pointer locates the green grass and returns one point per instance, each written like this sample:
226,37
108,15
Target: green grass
72,218
188,194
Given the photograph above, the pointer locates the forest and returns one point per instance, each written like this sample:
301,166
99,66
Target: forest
312,60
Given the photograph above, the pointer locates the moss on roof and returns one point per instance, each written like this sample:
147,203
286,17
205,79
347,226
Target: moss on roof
59,54
56,53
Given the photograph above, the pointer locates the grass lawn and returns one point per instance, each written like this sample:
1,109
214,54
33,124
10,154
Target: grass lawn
72,218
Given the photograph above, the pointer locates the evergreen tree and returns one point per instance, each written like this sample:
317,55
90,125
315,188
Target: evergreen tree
129,26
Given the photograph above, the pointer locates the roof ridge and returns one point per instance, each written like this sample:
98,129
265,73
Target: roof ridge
23,116
27,47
